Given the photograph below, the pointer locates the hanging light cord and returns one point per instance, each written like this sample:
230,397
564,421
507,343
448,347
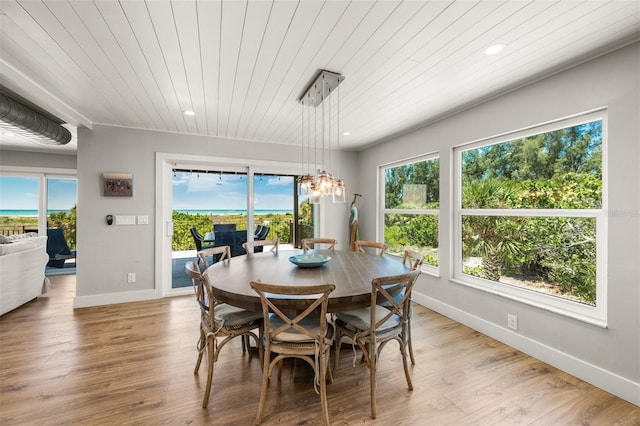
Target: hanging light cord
338,139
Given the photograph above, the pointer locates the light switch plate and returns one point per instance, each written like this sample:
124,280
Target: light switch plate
143,220
125,220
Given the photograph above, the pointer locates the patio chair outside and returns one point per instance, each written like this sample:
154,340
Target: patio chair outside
57,248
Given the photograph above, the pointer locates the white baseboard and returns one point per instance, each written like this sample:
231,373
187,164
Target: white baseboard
111,298
606,380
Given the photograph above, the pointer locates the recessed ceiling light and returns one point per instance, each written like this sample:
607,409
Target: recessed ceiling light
346,134
188,112
495,49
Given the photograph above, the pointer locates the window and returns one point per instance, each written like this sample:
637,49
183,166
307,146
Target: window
32,201
411,207
530,216
62,206
19,204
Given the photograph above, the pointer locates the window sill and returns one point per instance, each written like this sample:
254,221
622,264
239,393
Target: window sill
520,295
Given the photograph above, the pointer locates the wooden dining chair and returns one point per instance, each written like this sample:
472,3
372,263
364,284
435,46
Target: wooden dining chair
413,260
303,336
219,320
379,246
370,329
309,243
250,245
217,254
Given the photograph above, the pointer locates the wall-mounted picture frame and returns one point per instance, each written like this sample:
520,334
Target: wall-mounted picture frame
117,184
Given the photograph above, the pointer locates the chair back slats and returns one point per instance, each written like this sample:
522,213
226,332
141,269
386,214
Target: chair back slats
309,243
197,238
223,252
396,303
193,271
318,305
263,232
249,245
379,246
202,290
412,259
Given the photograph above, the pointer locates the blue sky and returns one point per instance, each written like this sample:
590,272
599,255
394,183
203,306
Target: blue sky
21,193
208,191
190,192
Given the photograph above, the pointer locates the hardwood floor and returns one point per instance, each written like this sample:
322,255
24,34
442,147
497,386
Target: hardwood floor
133,364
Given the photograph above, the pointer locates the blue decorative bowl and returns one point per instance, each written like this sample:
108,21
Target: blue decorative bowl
309,260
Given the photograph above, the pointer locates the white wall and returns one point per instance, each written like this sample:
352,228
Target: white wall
37,160
609,358
107,253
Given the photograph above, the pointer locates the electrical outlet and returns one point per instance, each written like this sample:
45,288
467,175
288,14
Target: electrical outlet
131,277
512,321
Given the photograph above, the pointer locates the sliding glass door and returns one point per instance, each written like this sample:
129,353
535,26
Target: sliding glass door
34,202
206,204
209,201
19,204
62,206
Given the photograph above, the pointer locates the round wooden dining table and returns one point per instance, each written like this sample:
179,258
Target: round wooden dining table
351,272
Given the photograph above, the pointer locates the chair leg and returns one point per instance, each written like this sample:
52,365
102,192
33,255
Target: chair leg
211,356
336,353
263,390
328,369
406,367
410,343
373,382
258,345
323,387
201,348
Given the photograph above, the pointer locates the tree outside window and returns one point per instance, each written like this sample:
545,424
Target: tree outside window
411,207
530,209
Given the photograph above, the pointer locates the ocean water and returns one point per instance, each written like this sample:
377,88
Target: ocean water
34,213
28,212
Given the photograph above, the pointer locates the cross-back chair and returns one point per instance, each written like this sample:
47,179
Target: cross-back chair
379,246
371,328
303,335
218,320
249,246
413,260
309,243
217,254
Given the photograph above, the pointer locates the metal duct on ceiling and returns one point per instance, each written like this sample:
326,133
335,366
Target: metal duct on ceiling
22,119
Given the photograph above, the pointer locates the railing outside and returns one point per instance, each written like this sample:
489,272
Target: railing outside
280,227
8,230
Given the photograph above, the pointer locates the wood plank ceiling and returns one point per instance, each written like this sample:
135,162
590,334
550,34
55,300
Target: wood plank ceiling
242,65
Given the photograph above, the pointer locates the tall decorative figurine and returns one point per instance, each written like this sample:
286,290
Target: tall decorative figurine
354,233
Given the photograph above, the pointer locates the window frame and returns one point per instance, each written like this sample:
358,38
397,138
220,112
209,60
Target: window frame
382,210
41,174
595,315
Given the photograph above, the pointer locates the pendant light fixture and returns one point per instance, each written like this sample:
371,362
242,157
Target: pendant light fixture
323,183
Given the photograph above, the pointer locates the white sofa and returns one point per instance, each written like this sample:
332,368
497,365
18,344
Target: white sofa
23,259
